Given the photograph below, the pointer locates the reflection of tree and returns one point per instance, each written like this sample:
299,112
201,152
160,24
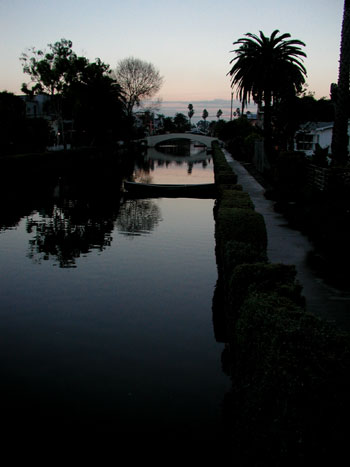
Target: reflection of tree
138,216
78,218
19,197
58,236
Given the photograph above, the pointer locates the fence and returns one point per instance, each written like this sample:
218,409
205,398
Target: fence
325,179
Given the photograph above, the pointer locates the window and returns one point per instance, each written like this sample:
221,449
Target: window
305,142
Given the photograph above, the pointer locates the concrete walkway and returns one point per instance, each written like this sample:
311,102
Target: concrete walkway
289,246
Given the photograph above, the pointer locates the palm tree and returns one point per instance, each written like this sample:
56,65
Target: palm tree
340,129
205,115
268,69
190,113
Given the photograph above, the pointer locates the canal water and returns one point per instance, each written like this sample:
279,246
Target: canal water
106,317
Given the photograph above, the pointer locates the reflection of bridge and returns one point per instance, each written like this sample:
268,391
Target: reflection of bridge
154,154
156,139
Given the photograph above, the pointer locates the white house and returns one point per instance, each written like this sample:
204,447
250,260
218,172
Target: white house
312,133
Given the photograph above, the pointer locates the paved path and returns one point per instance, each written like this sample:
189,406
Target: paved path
289,246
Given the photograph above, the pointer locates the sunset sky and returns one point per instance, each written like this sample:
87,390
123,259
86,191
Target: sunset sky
189,41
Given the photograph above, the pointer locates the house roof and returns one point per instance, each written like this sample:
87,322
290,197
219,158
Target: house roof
316,126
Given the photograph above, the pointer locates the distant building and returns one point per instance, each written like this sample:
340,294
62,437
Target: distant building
150,123
312,133
253,118
37,106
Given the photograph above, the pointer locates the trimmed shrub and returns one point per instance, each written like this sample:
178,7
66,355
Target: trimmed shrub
263,278
222,188
233,199
236,199
242,225
226,177
290,383
237,253
222,167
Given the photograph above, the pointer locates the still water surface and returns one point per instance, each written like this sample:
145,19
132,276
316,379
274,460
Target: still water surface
108,323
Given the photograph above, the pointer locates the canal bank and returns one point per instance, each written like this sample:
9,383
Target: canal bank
288,403
289,246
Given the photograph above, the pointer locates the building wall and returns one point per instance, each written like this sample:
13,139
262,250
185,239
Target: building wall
323,136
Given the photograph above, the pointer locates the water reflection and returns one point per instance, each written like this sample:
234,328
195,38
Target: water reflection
121,347
157,167
196,155
138,216
73,218
57,236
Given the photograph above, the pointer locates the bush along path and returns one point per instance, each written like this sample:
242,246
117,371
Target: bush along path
289,402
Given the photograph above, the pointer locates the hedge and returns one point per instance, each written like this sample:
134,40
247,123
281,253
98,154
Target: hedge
289,402
242,225
236,199
290,383
225,177
237,253
247,279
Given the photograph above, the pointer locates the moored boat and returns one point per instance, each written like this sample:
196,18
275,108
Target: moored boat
202,190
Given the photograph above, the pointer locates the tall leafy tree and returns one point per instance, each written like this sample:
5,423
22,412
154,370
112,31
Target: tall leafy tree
267,69
181,122
93,99
47,70
340,129
80,90
48,73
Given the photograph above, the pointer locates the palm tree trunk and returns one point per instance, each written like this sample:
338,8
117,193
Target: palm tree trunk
340,129
268,127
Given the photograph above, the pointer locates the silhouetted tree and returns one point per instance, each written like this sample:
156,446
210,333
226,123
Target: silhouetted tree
190,113
181,122
79,90
94,100
138,80
205,116
48,70
267,69
239,136
169,125
48,73
340,130
218,114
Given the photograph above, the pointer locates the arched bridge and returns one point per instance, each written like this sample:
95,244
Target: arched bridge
152,141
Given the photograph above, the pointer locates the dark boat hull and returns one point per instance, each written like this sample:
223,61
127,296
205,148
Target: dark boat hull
205,190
